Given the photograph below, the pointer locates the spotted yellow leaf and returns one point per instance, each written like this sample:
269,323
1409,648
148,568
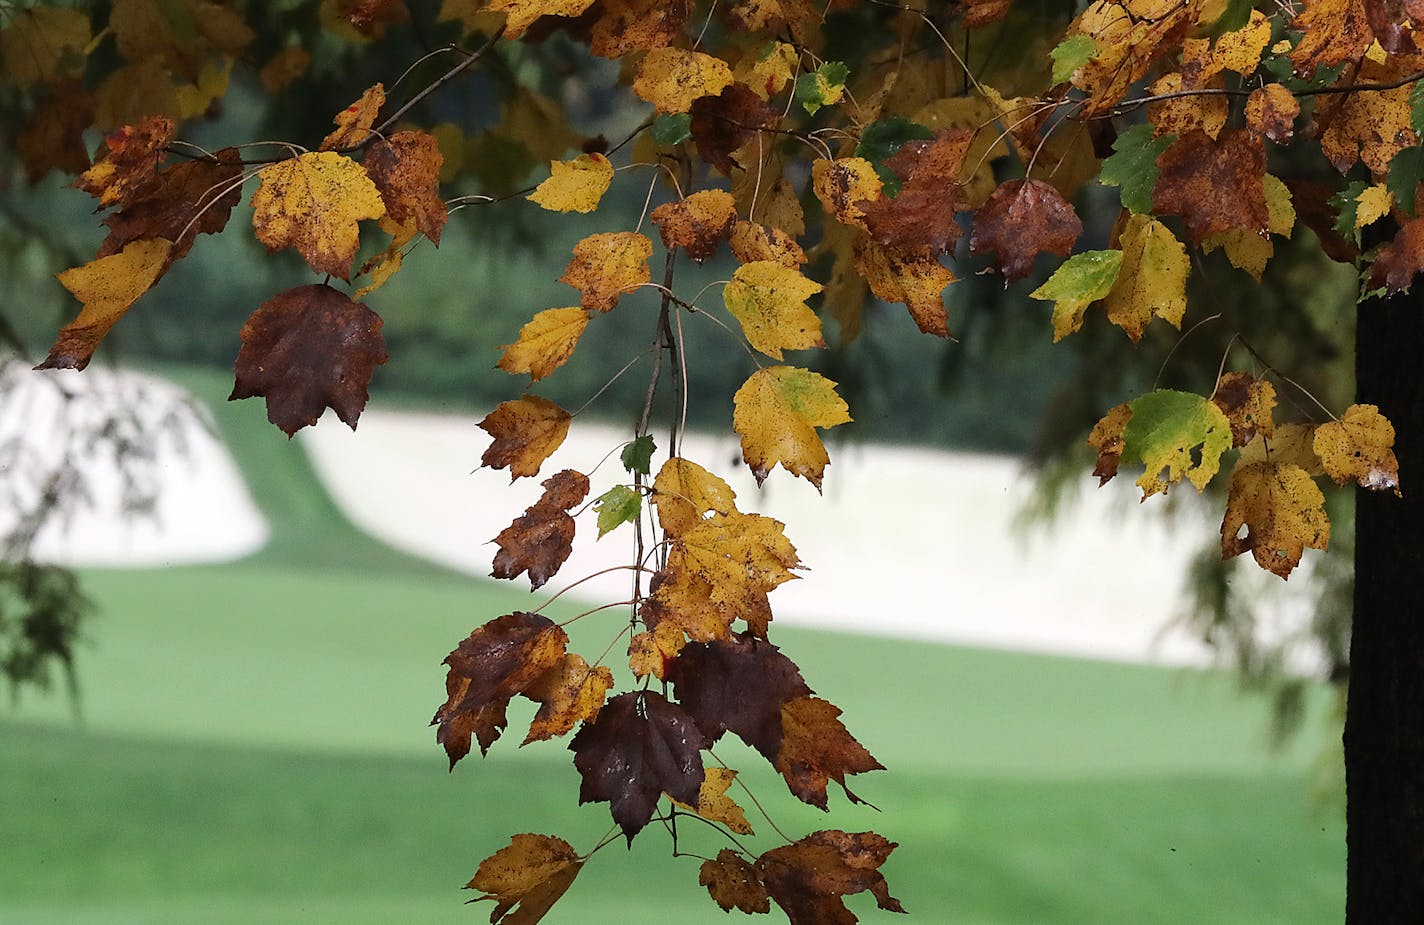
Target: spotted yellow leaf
576,185
1359,448
313,203
777,411
1275,511
108,287
769,301
673,78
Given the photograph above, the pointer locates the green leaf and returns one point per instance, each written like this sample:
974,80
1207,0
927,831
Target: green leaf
618,505
881,140
1237,15
1405,173
672,128
1416,107
638,455
1180,432
1079,282
1347,202
821,87
1132,167
1071,54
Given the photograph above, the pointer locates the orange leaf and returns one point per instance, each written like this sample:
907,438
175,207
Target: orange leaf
1336,32
624,26
1216,185
913,276
131,156
1271,111
532,872
526,431
607,265
520,14
179,203
309,349
406,170
817,749
108,287
353,124
697,223
1106,437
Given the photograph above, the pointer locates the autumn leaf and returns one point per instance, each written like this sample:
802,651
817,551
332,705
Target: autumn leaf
178,203
913,276
816,748
521,14
714,805
697,223
1358,447
568,694
370,17
625,26
769,70
617,506
541,539
1281,512
1106,438
639,747
1022,219
752,242
526,877
53,138
809,877
822,87
1152,280
309,349
724,122
605,266
1289,443
1178,433
1336,31
1180,112
776,412
1247,403
1271,111
734,883
574,186
922,214
1399,261
313,203
131,157
379,268
545,343
496,662
1078,282
108,287
684,492
651,651
681,600
738,685
406,170
672,78
736,554
1215,185
525,431
42,44
353,124
841,185
769,301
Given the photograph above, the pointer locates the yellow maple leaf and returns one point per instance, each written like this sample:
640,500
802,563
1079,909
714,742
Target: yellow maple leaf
108,287
1374,204
605,266
520,14
735,553
673,78
531,872
379,269
1281,511
684,492
751,242
576,185
526,431
841,183
1153,279
353,124
650,651
1240,51
1288,443
714,805
913,276
569,693
769,301
313,203
777,411
1248,250
768,70
42,44
1359,447
545,343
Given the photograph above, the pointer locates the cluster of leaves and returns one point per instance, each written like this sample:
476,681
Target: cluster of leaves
839,150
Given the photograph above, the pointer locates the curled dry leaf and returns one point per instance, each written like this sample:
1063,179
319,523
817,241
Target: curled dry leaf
673,78
734,883
178,203
526,432
527,877
777,411
406,170
541,539
575,185
1106,438
496,662
1275,511
698,223
353,124
809,878
108,287
769,302
1359,447
1022,219
638,748
568,694
545,343
309,349
605,266
1248,403
314,203
132,154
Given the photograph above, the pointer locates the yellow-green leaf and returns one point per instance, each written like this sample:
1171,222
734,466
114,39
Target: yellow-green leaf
777,411
769,301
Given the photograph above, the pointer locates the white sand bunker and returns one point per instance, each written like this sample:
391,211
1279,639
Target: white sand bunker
126,468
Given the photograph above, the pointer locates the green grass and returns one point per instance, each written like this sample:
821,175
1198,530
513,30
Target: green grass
253,748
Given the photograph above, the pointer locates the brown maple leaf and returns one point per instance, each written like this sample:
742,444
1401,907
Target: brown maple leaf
640,747
178,203
543,536
1022,219
306,350
723,123
1216,185
406,169
733,882
697,223
816,748
922,215
809,877
1400,260
132,154
526,877
505,657
737,685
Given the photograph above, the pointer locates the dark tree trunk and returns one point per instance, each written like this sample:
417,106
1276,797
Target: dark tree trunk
1384,722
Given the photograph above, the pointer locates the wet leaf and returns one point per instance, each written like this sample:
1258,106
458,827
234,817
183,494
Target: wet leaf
178,203
521,14
822,87
1132,167
737,685
913,276
638,455
1216,185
